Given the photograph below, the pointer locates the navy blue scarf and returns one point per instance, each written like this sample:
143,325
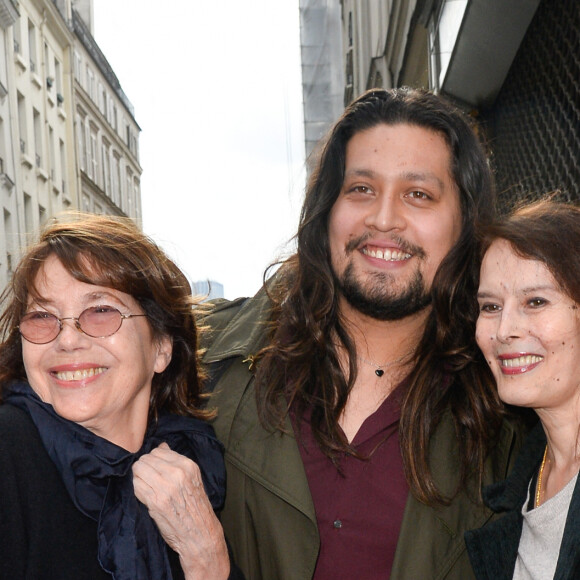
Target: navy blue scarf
97,475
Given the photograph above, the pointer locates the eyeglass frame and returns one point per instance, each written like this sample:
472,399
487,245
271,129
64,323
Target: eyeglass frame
77,323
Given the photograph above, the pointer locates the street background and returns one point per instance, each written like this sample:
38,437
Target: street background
216,88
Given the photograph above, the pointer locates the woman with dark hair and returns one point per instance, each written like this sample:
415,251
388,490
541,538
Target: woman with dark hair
529,331
109,469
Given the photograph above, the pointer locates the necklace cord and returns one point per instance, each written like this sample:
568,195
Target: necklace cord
540,474
380,368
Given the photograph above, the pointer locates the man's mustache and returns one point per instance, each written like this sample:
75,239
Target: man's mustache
402,244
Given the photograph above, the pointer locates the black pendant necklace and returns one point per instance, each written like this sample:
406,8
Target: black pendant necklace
380,369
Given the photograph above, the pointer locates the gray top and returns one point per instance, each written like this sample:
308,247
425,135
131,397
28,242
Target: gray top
542,532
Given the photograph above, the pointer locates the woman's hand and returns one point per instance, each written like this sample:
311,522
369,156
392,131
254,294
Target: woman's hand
171,488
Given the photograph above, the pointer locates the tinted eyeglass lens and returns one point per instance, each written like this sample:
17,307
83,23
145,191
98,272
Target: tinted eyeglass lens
100,321
39,327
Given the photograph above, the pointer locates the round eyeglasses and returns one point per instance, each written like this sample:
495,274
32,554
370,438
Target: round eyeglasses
41,327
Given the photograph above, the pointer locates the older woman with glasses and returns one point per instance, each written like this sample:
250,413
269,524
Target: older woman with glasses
108,467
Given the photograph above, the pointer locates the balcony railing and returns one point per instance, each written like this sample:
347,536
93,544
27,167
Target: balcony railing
4,178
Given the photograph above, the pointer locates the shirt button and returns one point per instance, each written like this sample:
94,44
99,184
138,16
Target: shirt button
337,524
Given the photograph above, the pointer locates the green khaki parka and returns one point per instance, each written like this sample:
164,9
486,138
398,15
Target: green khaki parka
269,516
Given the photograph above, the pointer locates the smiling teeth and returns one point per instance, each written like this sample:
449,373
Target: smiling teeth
521,361
78,375
387,255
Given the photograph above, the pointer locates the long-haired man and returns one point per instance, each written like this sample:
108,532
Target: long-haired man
358,418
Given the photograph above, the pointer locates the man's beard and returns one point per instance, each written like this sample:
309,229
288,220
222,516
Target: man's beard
378,301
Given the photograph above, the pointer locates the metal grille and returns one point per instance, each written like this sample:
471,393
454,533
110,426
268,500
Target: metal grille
534,125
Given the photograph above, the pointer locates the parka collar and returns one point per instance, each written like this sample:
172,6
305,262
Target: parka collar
237,341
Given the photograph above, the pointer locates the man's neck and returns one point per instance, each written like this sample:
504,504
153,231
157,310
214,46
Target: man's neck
383,341
381,345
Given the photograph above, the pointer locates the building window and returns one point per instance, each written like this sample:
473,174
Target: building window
91,83
77,67
350,28
2,147
28,223
102,98
51,154
128,205
37,137
106,156
116,179
32,46
9,233
62,155
41,215
93,152
22,121
86,203
47,64
17,37
82,141
137,196
58,76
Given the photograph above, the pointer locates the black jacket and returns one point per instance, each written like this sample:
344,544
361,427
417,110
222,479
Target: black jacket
43,536
493,549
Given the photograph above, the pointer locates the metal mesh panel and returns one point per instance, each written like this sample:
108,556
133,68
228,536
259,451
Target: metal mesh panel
534,125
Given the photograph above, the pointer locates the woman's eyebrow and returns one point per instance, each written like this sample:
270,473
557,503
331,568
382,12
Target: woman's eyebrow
103,295
484,294
40,300
541,288
89,297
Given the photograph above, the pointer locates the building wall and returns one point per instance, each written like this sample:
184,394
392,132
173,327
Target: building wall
35,119
534,124
9,155
322,71
514,66
54,130
378,36
349,46
107,135
367,37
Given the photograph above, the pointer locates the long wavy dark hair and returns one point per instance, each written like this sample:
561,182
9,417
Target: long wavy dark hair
112,252
300,366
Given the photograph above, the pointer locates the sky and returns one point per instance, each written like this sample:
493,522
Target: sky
216,87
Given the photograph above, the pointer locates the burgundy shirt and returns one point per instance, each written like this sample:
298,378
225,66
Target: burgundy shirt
359,512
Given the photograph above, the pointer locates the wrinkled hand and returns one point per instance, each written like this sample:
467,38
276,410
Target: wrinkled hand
171,488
